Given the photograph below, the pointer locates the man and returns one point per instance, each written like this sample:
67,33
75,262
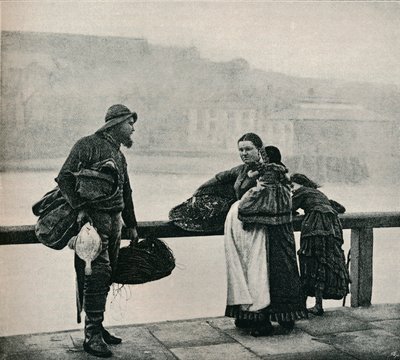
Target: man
101,151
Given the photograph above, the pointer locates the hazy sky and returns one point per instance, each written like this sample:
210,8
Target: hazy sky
345,40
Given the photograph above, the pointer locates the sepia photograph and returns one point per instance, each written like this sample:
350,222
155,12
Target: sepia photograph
200,179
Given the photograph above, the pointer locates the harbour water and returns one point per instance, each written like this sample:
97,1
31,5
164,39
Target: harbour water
38,284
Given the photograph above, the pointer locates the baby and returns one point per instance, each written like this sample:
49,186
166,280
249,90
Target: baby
270,201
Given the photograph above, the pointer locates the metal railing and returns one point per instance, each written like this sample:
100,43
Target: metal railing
361,225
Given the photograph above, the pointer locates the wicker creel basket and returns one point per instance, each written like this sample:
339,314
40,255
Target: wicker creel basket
148,260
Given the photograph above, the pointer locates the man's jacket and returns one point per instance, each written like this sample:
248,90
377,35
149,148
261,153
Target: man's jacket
95,176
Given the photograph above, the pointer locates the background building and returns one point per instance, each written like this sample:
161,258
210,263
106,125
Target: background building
336,140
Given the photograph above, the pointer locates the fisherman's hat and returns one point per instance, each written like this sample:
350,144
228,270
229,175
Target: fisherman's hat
116,114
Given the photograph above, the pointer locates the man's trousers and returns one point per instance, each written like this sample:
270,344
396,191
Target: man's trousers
92,289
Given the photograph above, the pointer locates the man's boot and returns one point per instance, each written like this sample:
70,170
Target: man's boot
94,343
109,338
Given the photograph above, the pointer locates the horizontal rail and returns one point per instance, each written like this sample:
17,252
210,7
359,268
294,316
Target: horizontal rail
25,234
361,225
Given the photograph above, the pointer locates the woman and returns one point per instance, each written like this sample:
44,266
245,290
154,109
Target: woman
262,273
322,263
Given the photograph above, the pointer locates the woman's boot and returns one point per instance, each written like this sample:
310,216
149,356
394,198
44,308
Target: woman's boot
94,343
286,325
243,324
317,309
264,328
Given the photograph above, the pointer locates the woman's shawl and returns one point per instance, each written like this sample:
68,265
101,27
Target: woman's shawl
320,213
310,199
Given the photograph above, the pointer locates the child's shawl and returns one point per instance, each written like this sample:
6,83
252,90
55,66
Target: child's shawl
274,174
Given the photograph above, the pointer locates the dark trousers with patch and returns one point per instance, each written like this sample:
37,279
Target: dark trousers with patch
92,289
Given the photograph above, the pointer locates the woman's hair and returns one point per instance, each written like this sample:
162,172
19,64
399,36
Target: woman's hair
274,155
301,179
254,138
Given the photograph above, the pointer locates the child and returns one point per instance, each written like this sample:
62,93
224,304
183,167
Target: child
323,271
269,202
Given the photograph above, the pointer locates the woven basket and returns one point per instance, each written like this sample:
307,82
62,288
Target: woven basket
204,213
148,260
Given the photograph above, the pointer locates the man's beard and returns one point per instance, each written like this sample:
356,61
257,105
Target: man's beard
127,143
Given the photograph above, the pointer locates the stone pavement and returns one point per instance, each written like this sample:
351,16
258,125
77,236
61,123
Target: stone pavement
342,333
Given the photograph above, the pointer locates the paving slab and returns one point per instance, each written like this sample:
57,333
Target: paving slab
47,355
215,352
190,333
138,343
296,342
367,344
320,355
223,323
377,312
392,326
332,322
38,342
342,333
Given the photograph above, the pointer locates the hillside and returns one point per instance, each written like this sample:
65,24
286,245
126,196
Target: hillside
57,87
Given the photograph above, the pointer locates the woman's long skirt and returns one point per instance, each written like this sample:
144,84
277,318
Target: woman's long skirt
321,257
262,272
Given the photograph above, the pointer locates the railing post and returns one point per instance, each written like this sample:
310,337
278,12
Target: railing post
362,241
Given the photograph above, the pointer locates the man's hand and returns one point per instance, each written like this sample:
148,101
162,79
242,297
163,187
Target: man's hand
132,234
